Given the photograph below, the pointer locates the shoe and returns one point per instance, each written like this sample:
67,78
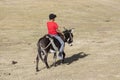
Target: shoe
60,55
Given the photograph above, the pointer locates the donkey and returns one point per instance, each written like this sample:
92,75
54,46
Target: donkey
48,44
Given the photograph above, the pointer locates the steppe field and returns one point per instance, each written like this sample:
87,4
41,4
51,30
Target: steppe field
95,54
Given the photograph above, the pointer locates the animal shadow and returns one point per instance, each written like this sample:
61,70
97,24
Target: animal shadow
73,58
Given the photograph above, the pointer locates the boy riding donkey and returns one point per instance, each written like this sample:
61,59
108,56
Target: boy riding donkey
54,40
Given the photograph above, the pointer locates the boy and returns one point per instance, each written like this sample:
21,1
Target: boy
53,30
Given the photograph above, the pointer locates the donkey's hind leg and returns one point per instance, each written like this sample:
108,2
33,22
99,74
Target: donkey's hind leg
37,61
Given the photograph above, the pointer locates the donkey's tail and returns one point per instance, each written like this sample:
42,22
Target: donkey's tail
39,50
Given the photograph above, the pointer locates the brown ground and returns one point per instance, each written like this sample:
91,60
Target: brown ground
97,34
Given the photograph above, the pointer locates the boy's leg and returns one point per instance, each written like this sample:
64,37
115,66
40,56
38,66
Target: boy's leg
61,42
62,46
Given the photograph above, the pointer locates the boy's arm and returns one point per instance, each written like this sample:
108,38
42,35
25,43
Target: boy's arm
58,31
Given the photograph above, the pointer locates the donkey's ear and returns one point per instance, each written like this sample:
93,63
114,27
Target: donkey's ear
72,30
64,28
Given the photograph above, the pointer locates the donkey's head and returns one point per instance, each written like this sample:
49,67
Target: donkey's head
68,34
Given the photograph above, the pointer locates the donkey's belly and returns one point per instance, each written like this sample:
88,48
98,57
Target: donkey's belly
52,51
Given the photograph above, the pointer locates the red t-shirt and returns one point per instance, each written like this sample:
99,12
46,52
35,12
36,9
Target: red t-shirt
52,28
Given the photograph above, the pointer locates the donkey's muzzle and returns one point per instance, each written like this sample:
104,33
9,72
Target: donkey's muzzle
71,44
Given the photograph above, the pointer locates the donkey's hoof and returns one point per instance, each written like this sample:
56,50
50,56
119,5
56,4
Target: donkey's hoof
48,67
55,65
63,61
37,70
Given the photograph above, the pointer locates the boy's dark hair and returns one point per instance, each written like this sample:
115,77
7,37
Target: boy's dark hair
52,16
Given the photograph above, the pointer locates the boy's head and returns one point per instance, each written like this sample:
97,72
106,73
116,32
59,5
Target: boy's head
52,16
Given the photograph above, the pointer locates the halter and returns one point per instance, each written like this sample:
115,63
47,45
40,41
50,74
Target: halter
69,37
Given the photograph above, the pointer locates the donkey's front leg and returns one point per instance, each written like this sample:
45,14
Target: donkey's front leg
63,57
45,60
55,57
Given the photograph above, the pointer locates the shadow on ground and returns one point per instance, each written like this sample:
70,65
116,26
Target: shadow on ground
73,58
70,60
